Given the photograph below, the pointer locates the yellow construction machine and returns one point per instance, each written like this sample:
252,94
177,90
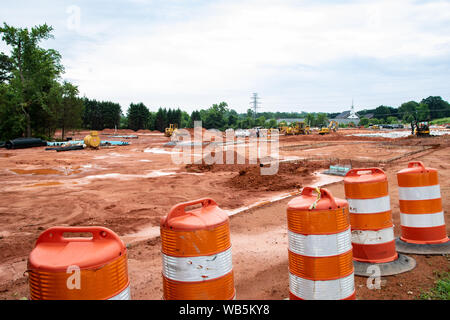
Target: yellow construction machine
422,129
171,130
333,126
297,128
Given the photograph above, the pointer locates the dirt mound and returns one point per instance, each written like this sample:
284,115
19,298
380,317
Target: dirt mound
290,175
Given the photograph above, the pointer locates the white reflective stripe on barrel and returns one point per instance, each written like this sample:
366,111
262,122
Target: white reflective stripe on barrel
376,205
422,220
322,290
419,193
191,269
320,245
124,295
372,236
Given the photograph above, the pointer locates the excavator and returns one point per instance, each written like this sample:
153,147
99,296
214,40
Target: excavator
333,126
171,130
421,129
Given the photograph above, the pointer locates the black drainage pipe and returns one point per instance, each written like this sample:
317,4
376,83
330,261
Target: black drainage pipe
22,143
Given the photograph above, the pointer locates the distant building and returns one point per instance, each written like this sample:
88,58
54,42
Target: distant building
347,116
289,121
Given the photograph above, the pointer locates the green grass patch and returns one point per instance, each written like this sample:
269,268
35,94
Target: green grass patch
441,121
441,289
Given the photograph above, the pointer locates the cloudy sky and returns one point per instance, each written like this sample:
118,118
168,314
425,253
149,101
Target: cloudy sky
309,55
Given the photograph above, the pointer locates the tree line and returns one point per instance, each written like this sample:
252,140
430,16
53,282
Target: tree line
433,107
35,101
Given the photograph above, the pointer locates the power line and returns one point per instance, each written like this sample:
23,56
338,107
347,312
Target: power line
255,104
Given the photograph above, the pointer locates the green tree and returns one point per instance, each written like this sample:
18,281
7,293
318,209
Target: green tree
123,122
11,119
195,116
232,120
391,120
438,107
272,123
407,111
5,68
363,122
185,120
177,117
111,113
99,115
261,121
69,116
161,120
137,116
381,113
310,119
215,116
33,72
321,119
151,121
423,112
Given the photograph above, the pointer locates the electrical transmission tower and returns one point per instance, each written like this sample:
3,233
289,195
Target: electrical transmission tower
255,104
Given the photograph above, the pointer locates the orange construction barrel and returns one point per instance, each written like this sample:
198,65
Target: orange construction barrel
78,268
320,250
367,193
423,228
373,241
196,253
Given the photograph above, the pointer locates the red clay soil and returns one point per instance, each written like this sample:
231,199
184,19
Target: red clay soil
287,178
129,188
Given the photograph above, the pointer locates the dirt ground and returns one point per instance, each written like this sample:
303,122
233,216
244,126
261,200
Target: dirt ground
129,188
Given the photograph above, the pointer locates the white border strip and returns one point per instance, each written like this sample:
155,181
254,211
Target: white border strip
320,245
422,220
192,269
419,193
372,237
367,206
322,290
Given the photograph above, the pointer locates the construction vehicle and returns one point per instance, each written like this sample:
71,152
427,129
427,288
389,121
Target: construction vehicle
297,128
332,127
422,129
171,130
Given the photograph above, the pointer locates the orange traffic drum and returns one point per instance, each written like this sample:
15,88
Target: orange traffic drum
196,253
78,268
421,213
320,249
367,193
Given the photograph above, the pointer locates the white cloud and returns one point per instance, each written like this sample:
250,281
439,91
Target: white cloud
224,50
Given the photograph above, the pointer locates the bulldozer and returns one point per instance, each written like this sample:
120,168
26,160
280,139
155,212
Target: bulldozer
332,127
171,130
297,128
